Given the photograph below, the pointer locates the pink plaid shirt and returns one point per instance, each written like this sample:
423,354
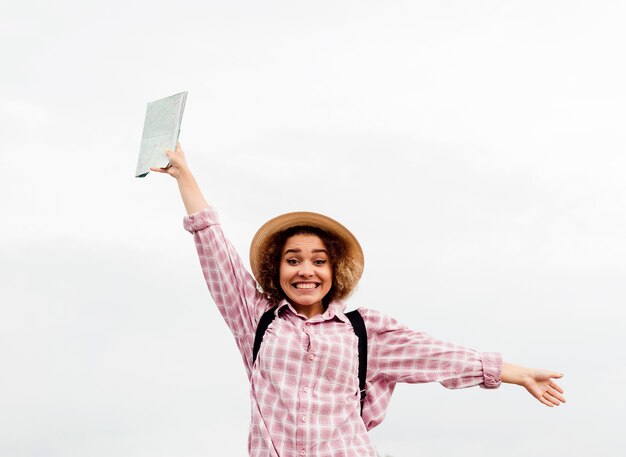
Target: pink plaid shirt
304,385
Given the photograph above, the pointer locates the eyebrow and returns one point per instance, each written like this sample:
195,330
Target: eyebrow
297,251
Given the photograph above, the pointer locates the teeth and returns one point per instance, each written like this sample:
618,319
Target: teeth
305,286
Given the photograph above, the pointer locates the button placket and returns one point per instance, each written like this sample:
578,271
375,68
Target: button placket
304,398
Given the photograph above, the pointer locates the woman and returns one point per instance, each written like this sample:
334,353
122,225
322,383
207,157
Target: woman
304,386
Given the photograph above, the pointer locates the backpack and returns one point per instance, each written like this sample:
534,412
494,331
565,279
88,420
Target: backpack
359,330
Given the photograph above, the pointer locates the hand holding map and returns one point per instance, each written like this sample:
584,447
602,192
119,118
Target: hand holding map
160,132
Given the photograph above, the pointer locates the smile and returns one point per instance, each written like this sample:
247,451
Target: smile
305,285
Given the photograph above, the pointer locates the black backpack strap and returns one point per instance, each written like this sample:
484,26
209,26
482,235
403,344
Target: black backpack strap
361,332
266,320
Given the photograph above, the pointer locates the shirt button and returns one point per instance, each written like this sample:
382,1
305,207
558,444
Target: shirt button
306,389
303,419
308,323
311,356
302,453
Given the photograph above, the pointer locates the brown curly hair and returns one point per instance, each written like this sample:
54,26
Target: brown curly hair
344,268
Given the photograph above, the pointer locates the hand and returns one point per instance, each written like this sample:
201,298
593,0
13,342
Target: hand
541,385
178,165
190,192
538,382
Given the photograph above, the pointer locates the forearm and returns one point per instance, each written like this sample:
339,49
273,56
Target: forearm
190,192
515,374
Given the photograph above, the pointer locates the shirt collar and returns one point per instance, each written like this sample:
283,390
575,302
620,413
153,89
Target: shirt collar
334,309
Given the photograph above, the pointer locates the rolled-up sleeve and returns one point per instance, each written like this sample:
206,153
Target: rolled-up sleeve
200,220
492,369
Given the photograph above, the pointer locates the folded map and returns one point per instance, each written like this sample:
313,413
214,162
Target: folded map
160,132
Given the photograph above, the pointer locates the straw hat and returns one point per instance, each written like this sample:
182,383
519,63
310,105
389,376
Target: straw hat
288,220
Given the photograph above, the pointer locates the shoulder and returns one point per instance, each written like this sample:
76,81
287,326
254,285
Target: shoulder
377,322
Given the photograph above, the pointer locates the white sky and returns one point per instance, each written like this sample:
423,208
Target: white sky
475,148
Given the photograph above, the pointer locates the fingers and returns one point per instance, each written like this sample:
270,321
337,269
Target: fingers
556,392
176,162
556,387
547,399
556,395
178,150
545,402
174,156
552,396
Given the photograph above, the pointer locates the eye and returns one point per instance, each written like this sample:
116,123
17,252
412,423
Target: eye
292,261
320,262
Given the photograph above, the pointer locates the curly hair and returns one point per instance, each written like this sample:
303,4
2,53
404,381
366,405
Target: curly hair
344,267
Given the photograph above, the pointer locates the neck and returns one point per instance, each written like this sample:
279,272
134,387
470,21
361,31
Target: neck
309,310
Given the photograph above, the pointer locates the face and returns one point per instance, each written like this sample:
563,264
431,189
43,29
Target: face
306,274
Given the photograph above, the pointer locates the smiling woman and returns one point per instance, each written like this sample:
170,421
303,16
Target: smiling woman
336,248
306,274
306,389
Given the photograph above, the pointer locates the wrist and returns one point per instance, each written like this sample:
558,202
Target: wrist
515,374
184,175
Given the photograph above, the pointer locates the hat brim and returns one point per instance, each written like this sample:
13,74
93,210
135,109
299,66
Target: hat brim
304,218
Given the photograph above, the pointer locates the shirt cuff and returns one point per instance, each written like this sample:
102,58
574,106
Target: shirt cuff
492,369
200,220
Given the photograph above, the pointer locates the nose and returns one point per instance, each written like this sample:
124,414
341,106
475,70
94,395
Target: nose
306,270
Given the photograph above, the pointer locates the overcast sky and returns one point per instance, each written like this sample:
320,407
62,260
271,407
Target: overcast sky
476,149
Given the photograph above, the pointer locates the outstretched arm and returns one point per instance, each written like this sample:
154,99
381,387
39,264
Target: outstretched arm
189,190
232,287
539,383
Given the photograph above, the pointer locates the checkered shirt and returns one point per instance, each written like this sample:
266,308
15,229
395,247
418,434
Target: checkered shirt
304,386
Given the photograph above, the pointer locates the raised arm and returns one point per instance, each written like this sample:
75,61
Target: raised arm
538,382
190,192
232,287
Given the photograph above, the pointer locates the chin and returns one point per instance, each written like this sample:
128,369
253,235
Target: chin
310,302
